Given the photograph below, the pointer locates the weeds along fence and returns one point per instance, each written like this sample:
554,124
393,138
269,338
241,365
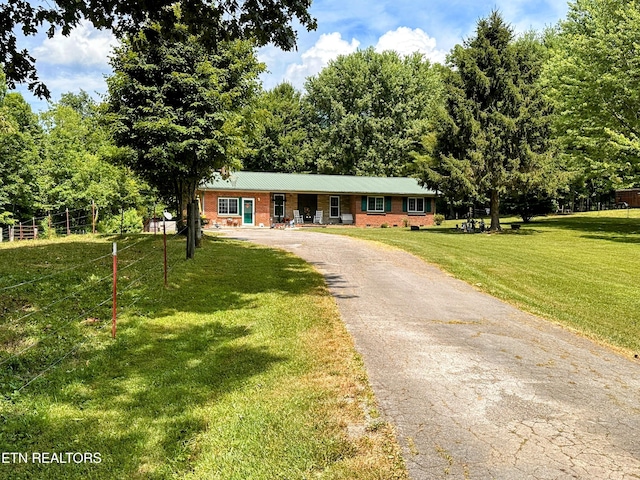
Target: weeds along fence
65,222
65,297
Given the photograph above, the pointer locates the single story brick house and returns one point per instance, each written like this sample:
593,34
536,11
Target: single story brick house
265,199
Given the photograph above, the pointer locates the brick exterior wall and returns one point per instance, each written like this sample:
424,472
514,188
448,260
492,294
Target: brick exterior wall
262,202
395,218
264,210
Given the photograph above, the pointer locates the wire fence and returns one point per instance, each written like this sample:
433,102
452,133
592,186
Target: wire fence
39,331
66,222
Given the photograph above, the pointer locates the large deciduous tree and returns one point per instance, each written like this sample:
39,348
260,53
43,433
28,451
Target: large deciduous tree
594,77
177,107
266,21
281,135
18,152
493,134
367,111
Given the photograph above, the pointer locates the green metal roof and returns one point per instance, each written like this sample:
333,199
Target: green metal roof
309,183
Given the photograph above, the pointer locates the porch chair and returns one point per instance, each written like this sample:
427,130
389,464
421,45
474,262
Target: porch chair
318,217
297,218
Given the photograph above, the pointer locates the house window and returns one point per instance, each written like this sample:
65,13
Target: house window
334,207
278,205
227,206
375,204
416,205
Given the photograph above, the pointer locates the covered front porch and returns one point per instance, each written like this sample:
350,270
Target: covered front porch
311,208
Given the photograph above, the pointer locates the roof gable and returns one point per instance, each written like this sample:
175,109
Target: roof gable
311,183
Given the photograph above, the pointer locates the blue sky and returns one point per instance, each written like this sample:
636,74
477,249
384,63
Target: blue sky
431,27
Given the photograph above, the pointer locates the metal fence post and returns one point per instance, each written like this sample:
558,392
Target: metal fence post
114,307
164,239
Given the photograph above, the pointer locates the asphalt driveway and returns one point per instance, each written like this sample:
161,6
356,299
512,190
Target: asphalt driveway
475,388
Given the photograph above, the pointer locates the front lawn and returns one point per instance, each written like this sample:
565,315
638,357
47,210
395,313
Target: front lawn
241,369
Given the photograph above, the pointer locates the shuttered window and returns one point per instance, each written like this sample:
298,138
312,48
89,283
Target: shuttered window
375,204
415,205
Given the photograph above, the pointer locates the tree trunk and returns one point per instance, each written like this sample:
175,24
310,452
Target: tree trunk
198,231
495,211
191,229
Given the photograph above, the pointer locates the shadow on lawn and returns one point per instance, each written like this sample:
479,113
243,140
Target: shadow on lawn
604,228
135,401
593,224
506,230
142,392
615,238
233,274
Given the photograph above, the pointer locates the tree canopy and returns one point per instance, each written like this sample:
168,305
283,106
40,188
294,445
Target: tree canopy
280,136
264,21
593,76
72,170
56,160
18,154
177,108
367,111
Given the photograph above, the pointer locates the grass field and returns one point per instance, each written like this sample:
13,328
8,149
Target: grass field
241,369
582,271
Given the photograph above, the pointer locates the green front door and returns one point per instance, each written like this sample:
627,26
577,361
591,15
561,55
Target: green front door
247,211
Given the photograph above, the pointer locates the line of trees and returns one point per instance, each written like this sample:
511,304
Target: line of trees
58,160
514,123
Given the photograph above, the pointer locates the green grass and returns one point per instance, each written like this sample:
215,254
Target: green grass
241,369
582,271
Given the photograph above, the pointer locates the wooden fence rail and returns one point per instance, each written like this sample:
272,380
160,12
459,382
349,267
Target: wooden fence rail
19,232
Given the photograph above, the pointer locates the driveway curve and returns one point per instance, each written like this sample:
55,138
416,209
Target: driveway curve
476,388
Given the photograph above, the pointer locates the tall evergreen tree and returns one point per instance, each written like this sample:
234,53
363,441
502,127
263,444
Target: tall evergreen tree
493,136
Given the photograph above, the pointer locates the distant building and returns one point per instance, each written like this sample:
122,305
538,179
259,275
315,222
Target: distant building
630,196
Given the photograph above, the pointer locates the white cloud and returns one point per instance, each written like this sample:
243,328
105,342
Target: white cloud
328,47
84,46
64,82
406,41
